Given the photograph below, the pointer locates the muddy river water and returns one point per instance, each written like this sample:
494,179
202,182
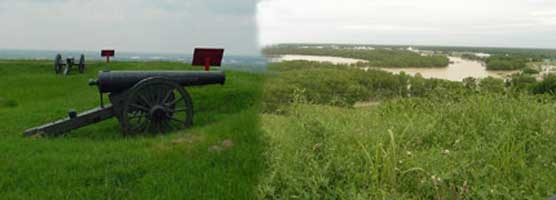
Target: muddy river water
457,70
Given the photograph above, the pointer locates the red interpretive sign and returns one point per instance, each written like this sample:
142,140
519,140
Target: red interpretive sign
107,53
208,57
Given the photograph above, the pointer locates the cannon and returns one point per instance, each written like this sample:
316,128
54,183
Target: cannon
142,101
68,64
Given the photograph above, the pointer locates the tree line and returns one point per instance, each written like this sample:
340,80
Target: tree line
375,58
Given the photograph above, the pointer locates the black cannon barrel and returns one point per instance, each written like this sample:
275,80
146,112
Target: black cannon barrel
118,81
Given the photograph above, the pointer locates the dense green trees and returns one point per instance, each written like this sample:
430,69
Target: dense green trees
506,63
375,58
472,57
342,85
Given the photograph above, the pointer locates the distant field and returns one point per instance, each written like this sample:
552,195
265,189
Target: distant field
97,162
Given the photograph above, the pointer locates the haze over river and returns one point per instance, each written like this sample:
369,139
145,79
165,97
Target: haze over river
456,71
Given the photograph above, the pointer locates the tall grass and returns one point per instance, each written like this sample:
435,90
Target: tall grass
478,147
427,139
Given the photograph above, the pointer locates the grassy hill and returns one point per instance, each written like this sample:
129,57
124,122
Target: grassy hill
292,133
418,139
97,162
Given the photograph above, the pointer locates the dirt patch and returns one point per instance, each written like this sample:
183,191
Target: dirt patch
185,142
188,139
223,146
366,104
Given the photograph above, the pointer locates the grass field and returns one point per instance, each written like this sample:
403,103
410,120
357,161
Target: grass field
421,139
96,162
295,135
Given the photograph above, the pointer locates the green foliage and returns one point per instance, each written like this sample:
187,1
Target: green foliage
521,82
491,85
375,58
532,53
472,57
529,70
413,148
338,85
425,139
546,86
506,63
97,162
428,139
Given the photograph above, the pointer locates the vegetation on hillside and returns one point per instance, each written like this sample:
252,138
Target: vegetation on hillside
293,133
342,85
478,139
375,58
220,157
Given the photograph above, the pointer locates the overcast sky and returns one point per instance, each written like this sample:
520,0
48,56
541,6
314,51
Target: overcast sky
519,23
129,25
241,26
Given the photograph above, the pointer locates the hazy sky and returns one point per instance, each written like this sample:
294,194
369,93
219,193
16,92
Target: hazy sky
242,25
521,23
129,25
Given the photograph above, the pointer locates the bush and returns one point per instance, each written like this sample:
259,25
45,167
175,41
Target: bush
491,85
521,82
546,86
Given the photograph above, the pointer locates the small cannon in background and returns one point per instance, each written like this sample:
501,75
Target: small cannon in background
68,64
143,102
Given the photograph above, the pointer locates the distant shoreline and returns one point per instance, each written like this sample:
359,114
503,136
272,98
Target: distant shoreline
8,54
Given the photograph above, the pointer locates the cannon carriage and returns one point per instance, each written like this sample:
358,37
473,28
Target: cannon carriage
66,66
142,101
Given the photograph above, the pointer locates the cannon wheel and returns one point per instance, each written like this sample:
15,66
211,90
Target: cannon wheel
156,105
82,64
58,64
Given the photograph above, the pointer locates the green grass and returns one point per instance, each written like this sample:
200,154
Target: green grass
452,143
479,147
295,135
97,162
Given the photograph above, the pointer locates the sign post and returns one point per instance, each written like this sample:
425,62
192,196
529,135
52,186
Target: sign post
107,53
207,57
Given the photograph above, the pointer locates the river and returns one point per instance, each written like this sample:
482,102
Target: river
457,70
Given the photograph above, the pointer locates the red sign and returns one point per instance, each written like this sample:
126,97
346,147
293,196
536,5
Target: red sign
208,57
107,53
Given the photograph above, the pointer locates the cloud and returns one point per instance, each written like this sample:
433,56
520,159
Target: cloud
437,22
130,25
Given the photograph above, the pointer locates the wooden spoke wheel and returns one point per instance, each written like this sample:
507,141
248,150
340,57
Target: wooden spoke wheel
156,105
58,64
